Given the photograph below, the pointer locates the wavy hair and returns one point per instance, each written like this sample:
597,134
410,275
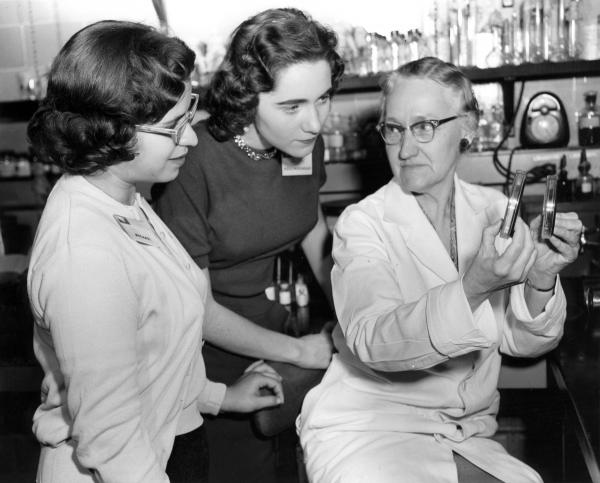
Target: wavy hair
108,77
258,50
444,73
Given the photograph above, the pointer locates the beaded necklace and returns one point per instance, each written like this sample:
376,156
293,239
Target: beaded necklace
254,154
453,243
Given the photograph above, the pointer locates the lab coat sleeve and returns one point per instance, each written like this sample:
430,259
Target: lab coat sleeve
381,328
526,336
92,310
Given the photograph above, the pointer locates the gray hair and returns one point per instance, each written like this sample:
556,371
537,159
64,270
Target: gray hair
444,73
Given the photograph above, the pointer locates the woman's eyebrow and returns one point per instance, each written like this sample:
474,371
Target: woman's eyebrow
300,101
291,101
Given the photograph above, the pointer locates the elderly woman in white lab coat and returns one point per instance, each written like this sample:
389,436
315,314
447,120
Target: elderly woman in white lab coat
426,304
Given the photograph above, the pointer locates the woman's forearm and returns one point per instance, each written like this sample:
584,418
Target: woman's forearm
228,330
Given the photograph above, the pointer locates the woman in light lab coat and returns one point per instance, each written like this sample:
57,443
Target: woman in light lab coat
119,306
426,304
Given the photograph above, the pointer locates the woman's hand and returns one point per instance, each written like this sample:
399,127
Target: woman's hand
557,252
259,387
316,349
491,271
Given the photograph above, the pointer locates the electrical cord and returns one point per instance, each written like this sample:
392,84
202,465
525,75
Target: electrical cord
506,171
536,173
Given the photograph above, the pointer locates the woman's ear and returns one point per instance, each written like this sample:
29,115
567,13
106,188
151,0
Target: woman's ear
469,131
464,144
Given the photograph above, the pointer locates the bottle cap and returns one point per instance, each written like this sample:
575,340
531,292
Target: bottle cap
590,96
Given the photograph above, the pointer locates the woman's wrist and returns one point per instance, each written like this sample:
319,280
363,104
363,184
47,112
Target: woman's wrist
295,351
541,287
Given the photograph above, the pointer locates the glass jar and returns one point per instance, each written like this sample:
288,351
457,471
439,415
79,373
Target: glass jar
8,165
589,121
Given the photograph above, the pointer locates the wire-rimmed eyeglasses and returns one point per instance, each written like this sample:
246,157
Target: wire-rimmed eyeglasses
175,133
423,131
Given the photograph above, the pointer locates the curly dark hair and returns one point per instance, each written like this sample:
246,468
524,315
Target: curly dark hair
108,77
258,49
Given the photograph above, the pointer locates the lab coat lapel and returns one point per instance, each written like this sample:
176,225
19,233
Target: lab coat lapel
471,219
403,210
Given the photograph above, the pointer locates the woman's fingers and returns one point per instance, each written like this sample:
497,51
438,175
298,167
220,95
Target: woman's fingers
568,227
273,385
511,264
262,367
254,365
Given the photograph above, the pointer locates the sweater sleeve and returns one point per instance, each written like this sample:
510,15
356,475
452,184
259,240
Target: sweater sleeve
91,310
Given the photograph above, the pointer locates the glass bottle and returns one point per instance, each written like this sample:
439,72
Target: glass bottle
589,121
496,125
285,295
573,47
537,34
563,186
585,181
301,292
558,31
483,132
395,49
373,54
413,45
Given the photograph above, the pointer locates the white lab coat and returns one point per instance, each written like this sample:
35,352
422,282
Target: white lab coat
417,371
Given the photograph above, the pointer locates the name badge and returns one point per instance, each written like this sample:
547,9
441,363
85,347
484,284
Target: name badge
138,231
296,166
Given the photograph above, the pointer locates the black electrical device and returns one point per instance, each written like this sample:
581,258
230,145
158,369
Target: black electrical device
545,122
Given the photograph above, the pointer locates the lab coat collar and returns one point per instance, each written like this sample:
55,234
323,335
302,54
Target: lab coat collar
402,209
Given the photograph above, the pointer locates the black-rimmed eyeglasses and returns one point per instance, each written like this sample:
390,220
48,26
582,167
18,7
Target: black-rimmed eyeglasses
175,133
423,131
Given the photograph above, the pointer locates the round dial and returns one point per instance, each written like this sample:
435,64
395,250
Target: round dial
545,129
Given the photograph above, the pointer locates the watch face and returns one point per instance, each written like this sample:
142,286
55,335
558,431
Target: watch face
545,129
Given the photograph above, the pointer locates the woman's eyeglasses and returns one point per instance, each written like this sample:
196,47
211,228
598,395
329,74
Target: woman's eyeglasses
175,133
423,131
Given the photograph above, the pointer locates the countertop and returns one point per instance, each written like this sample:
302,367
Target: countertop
576,365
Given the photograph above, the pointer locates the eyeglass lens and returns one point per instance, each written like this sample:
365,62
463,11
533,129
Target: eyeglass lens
186,118
422,131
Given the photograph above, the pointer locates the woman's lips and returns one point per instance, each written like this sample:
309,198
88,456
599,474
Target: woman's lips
307,141
179,157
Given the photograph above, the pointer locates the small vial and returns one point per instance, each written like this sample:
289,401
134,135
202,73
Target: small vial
301,291
285,296
585,182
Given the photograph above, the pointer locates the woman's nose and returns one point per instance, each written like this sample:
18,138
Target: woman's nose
312,121
189,137
408,145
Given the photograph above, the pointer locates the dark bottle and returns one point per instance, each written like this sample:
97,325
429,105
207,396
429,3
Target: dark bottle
585,182
564,187
589,121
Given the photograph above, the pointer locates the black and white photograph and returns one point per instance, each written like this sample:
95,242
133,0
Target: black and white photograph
246,241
